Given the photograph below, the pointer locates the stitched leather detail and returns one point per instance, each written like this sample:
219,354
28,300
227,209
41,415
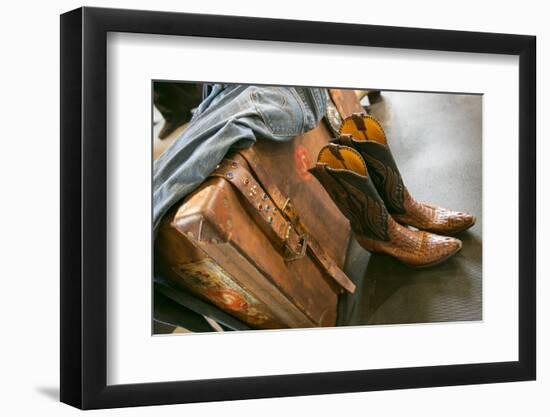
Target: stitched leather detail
374,228
370,140
366,213
370,129
388,181
343,157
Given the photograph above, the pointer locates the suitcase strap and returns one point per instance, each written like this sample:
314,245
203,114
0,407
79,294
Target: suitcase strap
285,206
281,223
267,214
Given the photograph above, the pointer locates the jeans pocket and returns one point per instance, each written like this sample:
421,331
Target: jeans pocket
279,109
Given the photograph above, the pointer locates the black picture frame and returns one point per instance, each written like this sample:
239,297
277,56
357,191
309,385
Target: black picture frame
84,207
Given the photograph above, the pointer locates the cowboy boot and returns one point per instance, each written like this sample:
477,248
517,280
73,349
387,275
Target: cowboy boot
364,134
343,173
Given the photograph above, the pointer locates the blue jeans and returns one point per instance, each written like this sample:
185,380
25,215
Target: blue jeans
231,117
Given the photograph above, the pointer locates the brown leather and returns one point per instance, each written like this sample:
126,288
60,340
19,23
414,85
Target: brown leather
365,134
269,218
346,101
433,218
340,171
213,243
277,218
286,207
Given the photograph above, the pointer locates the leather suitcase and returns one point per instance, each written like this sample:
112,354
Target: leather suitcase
260,238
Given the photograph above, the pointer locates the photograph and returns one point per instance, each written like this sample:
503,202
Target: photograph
291,207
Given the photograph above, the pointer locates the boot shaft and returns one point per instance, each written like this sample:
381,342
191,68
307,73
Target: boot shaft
384,174
364,134
344,175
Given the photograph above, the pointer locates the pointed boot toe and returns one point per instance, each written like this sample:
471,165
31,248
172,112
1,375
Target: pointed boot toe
439,249
433,218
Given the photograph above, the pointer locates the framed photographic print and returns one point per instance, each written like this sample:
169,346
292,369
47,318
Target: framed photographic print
258,208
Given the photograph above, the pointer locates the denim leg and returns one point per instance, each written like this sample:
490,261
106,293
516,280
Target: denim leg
230,117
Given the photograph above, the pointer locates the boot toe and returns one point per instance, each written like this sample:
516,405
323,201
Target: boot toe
441,248
456,222
451,222
420,249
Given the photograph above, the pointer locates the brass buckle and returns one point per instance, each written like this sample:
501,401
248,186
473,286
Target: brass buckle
288,209
291,254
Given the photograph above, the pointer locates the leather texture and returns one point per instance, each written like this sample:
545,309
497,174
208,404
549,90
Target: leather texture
274,214
433,218
365,134
221,246
350,187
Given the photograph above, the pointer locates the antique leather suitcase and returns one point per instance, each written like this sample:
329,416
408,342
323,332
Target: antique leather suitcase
260,238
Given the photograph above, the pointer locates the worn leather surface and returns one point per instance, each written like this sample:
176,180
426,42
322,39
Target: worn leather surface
368,137
216,224
355,195
346,101
213,231
309,242
275,216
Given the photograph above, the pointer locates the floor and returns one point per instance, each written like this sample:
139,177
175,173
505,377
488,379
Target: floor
436,140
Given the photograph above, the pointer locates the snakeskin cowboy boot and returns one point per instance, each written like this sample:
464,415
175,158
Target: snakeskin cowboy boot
364,134
343,173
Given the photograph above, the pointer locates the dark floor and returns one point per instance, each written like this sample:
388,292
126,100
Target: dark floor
436,141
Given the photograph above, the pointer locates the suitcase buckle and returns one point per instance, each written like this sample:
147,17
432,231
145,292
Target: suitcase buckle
292,254
288,209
